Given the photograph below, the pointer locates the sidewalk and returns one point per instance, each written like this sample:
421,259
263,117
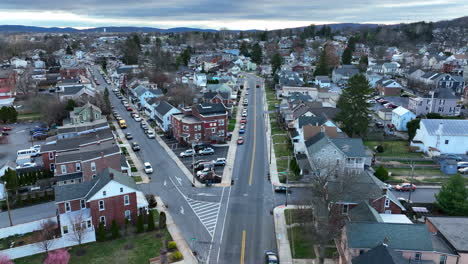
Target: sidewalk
281,231
182,245
133,156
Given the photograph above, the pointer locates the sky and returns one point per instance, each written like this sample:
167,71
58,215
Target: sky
217,14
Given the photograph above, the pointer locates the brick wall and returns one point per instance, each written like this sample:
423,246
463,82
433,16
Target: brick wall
114,210
112,161
75,205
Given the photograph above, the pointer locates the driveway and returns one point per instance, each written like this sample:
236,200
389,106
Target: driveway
28,214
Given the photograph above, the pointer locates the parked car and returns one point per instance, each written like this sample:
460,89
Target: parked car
148,167
206,151
271,257
404,187
204,165
241,131
129,109
463,170
258,86
462,164
5,128
128,136
135,146
187,153
150,134
455,157
219,162
27,165
243,121
137,118
379,125
196,163
204,172
240,141
282,189
244,113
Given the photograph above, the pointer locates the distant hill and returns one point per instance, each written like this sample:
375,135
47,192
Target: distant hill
19,28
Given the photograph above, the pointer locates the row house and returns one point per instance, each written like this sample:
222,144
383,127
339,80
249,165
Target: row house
442,101
111,196
161,112
218,98
448,228
89,160
86,113
7,87
444,80
204,122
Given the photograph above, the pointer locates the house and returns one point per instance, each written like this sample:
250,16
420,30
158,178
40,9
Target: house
323,81
19,63
218,97
453,230
390,68
343,73
385,114
388,87
381,254
111,196
86,113
441,136
199,79
444,80
75,92
73,130
289,78
204,122
442,101
348,153
142,94
7,87
162,114
413,241
400,117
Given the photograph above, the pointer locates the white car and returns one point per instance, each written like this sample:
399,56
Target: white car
204,172
27,165
244,113
187,153
137,118
150,134
148,167
463,170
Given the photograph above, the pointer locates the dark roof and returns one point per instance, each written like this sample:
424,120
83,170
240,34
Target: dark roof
211,95
296,96
163,107
209,108
351,147
445,93
312,120
70,90
88,152
85,190
414,237
454,230
79,128
123,161
76,142
364,212
380,254
70,176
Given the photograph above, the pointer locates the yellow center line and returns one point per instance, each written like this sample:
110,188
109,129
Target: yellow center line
252,162
243,248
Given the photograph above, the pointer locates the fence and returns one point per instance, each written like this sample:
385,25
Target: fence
24,228
67,240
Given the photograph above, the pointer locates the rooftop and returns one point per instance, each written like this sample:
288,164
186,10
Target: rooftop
454,229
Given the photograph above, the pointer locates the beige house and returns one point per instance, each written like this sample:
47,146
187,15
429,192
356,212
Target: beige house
86,113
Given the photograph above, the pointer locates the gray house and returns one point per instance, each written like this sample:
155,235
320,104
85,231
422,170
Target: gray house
442,101
342,74
444,80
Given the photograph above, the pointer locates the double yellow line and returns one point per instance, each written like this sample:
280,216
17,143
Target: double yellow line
252,162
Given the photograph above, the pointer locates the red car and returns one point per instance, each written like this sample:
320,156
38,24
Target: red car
240,141
129,109
243,121
7,128
405,187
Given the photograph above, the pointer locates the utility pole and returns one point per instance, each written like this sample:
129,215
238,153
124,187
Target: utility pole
411,181
287,181
8,206
193,164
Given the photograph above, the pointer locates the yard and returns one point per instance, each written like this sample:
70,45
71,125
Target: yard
29,116
416,173
393,149
302,244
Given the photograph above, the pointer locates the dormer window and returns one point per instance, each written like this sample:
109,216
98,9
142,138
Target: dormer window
103,193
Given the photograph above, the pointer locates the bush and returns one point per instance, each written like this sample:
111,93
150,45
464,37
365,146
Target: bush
176,256
150,222
381,173
140,226
151,201
115,232
59,256
162,220
101,233
171,245
379,149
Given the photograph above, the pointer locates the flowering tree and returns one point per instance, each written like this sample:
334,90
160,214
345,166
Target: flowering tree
59,256
5,260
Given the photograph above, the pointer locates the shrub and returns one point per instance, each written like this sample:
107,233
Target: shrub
59,256
381,173
115,232
150,222
4,259
140,226
151,201
176,256
171,245
162,220
379,149
101,233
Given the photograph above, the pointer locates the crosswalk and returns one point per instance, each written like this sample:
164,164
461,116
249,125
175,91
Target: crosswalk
207,213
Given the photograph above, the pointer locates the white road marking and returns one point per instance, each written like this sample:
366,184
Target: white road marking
179,180
205,194
206,212
165,183
182,210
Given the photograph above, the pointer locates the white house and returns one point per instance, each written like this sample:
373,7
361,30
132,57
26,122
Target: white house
199,79
323,81
162,114
19,63
400,117
442,136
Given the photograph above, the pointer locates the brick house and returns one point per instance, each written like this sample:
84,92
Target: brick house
7,87
218,98
388,87
205,122
110,196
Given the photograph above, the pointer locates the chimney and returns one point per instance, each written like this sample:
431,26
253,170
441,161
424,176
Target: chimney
111,175
322,129
385,242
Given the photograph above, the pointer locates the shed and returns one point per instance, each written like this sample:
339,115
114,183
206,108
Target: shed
448,166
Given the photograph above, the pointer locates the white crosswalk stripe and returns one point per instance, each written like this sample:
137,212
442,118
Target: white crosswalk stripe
207,213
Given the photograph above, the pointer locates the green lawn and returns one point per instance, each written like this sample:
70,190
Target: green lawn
29,116
145,246
297,216
137,178
301,243
232,124
393,149
417,172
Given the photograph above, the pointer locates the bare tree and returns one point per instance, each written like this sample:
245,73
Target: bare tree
78,225
24,83
181,95
46,235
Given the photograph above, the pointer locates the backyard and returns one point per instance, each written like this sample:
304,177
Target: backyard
393,149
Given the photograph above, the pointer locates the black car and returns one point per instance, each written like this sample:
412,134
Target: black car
282,189
135,146
128,136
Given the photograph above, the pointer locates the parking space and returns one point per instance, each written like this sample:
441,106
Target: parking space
219,152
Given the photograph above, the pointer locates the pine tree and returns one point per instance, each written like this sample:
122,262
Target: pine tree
115,232
69,50
322,65
150,221
162,220
276,62
244,49
453,197
101,232
140,226
354,106
347,56
257,53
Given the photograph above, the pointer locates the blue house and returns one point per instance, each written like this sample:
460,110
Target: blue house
143,93
400,117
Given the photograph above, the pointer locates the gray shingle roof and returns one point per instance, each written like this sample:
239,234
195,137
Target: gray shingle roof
312,120
163,107
414,237
71,90
88,152
209,108
449,127
351,147
69,176
380,254
454,229
76,142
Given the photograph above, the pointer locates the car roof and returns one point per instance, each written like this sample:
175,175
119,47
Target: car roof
147,164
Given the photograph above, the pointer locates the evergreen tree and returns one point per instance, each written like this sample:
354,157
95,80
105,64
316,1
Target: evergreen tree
101,233
347,56
162,220
150,221
354,106
69,50
107,103
244,50
322,67
115,232
412,126
257,54
453,197
71,104
381,173
276,62
11,179
140,225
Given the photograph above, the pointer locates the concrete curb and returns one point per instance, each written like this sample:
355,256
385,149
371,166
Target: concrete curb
182,245
273,168
281,231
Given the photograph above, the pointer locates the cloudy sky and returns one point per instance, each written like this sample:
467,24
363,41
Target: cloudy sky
215,14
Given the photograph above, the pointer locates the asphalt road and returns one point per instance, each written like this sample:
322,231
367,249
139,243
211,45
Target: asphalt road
421,195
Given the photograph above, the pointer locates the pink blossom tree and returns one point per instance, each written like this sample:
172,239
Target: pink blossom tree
5,260
59,256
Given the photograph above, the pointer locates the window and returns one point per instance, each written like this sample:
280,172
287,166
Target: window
446,141
104,193
72,181
221,133
126,200
197,136
93,166
52,166
443,259
387,202
88,224
417,256
83,204
67,207
51,155
78,166
221,122
185,128
102,219
345,208
63,168
197,127
128,215
101,205
65,229
121,189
